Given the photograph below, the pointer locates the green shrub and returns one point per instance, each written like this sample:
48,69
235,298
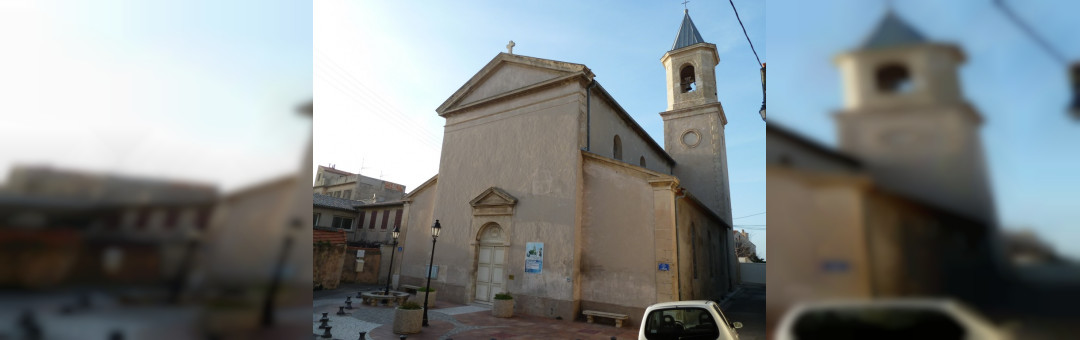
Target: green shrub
503,296
409,305
425,289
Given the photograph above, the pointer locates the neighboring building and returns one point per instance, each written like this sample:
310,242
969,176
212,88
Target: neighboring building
342,184
744,248
547,189
131,229
333,212
903,208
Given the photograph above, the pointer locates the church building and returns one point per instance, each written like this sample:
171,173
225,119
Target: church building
903,207
548,190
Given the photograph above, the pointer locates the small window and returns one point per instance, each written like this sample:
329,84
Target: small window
687,78
315,219
348,194
360,221
374,214
641,161
342,222
617,148
385,218
894,78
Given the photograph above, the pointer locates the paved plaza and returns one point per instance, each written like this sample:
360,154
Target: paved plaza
452,321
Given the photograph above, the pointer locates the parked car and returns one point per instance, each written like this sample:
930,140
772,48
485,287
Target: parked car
687,320
887,319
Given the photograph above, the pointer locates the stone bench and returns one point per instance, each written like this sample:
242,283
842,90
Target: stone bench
409,289
373,298
589,314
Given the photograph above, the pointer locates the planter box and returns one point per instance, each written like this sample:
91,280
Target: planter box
408,321
502,308
431,299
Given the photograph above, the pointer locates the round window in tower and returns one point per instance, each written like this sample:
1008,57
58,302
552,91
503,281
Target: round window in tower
691,138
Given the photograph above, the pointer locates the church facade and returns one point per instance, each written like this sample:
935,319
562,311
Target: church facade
548,190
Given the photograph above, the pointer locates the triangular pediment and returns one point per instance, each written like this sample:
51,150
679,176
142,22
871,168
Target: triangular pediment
493,197
509,73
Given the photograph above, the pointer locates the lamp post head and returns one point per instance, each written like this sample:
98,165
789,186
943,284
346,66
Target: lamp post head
396,232
435,229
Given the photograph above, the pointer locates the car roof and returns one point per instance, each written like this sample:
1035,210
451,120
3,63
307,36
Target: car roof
691,303
900,302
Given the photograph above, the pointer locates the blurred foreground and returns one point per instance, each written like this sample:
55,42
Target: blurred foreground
903,207
102,256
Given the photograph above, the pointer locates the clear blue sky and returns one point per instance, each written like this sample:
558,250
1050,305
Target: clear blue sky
381,69
1031,142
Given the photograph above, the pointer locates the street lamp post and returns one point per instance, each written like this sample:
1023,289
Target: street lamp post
393,248
762,111
435,229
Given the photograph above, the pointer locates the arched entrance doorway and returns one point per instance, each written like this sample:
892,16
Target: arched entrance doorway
490,263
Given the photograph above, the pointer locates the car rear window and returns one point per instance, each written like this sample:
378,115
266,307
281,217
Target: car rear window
877,323
680,323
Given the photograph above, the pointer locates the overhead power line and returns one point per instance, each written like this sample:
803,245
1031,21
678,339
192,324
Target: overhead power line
744,32
750,215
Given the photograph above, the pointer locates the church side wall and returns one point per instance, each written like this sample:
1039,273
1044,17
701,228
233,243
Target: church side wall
606,123
823,253
705,259
617,267
526,146
415,237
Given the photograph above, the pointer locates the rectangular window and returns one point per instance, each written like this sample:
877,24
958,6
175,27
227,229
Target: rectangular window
386,216
374,214
360,223
342,222
315,219
397,219
348,194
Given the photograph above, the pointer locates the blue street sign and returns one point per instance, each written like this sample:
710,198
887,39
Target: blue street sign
836,266
664,267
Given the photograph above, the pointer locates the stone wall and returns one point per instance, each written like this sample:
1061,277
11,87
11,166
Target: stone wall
328,260
370,274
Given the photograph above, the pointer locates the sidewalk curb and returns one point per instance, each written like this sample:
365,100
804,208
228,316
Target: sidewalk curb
727,298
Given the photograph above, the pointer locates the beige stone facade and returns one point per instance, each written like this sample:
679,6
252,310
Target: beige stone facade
535,151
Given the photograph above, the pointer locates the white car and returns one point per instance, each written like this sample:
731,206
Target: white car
686,320
887,319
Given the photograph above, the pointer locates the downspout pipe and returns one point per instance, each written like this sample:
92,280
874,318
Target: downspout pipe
678,278
588,114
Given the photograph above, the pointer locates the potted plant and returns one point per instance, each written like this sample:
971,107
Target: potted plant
431,296
408,318
503,306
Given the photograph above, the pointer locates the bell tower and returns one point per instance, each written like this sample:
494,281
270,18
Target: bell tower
694,122
905,116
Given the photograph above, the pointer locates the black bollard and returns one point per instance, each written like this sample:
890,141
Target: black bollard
401,337
324,317
324,324
341,310
348,298
348,305
326,334
363,335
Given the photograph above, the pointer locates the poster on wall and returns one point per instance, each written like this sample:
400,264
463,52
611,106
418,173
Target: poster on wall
534,257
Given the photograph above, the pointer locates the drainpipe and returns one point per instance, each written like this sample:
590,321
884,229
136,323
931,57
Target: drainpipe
588,114
678,278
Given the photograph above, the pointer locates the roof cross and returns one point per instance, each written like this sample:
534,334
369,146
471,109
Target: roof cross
510,47
684,3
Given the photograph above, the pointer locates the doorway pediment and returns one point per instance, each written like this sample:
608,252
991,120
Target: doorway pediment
493,201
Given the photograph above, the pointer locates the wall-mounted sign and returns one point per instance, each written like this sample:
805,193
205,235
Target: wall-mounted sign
663,267
393,186
359,254
835,266
534,257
